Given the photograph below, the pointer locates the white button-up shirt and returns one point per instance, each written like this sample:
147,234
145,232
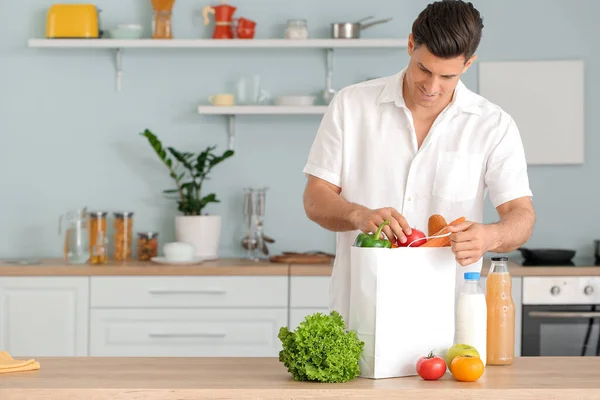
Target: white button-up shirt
366,145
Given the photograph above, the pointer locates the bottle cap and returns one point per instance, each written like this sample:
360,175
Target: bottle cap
499,258
472,276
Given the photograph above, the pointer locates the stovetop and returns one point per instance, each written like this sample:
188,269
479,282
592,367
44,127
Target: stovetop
575,262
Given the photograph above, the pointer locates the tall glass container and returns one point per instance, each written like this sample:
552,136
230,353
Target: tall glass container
98,237
123,226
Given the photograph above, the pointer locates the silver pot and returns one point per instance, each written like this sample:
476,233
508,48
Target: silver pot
351,30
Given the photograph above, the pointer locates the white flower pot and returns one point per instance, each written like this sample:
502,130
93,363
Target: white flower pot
202,231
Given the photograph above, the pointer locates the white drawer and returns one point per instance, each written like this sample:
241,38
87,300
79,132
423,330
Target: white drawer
309,291
186,333
188,291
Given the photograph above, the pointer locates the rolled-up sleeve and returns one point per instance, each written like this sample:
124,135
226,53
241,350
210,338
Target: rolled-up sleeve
325,157
506,174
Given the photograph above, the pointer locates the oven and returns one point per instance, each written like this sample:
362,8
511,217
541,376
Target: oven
560,316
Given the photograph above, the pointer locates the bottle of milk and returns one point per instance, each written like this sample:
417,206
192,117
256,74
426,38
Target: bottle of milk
471,315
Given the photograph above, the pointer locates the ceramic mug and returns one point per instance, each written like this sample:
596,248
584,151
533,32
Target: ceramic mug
245,23
222,100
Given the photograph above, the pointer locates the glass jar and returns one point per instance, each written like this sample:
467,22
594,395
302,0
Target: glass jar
161,23
98,237
123,235
147,245
296,29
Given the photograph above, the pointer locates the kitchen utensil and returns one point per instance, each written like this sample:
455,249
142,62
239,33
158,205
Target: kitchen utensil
351,30
77,240
223,15
547,255
329,92
295,100
255,241
68,21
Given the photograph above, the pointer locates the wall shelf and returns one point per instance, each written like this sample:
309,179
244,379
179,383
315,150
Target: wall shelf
260,110
230,112
217,44
119,45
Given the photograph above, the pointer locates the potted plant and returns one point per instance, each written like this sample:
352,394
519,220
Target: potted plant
189,171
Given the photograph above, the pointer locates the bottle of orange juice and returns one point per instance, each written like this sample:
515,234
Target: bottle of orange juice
500,314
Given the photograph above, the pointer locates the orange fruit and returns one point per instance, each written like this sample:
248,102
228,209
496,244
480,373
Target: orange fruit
466,368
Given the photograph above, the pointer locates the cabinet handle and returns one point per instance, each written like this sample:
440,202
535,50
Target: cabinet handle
558,314
198,291
187,335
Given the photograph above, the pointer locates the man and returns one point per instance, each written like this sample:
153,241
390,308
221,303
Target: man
417,143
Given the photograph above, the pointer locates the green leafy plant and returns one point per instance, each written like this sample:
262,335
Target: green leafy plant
195,171
321,349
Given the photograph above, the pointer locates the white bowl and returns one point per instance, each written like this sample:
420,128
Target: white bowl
178,251
295,100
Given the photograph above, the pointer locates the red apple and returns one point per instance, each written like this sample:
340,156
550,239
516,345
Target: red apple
414,235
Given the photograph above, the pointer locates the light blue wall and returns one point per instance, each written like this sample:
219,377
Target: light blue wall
69,139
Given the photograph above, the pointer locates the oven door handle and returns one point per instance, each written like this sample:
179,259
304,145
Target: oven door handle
559,314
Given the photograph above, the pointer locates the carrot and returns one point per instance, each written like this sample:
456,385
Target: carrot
443,241
435,224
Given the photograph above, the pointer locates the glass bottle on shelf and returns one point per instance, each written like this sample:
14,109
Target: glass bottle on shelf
123,235
161,21
98,237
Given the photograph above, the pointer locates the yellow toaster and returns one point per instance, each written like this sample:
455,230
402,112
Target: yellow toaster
72,21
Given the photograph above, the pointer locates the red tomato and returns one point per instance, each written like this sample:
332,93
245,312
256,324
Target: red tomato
431,368
414,235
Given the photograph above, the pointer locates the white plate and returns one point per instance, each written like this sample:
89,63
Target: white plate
163,260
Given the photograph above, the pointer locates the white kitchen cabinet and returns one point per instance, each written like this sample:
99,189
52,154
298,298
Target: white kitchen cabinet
308,295
189,291
178,316
517,294
44,316
186,332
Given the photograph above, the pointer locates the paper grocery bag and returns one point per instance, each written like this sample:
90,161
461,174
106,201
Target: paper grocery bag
401,306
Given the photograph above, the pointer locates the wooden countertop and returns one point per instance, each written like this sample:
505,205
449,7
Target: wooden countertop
70,378
515,267
224,266
237,266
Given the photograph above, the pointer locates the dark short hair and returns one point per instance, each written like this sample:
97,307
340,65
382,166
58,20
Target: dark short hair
449,29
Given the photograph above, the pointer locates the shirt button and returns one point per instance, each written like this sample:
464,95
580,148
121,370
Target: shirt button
409,199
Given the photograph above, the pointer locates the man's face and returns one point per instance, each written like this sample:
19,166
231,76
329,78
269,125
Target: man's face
431,80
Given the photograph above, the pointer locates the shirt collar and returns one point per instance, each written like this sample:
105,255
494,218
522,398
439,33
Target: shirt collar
463,100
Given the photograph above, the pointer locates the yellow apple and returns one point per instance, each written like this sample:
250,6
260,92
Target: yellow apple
460,350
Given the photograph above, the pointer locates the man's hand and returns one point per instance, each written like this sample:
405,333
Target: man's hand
470,241
368,221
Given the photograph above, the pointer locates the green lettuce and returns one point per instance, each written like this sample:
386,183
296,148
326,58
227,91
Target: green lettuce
321,349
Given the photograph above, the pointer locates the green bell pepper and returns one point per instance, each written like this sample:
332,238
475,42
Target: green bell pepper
370,240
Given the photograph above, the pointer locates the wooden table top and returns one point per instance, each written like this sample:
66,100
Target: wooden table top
240,267
78,378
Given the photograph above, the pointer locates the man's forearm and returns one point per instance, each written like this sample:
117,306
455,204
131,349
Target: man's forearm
330,210
513,230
